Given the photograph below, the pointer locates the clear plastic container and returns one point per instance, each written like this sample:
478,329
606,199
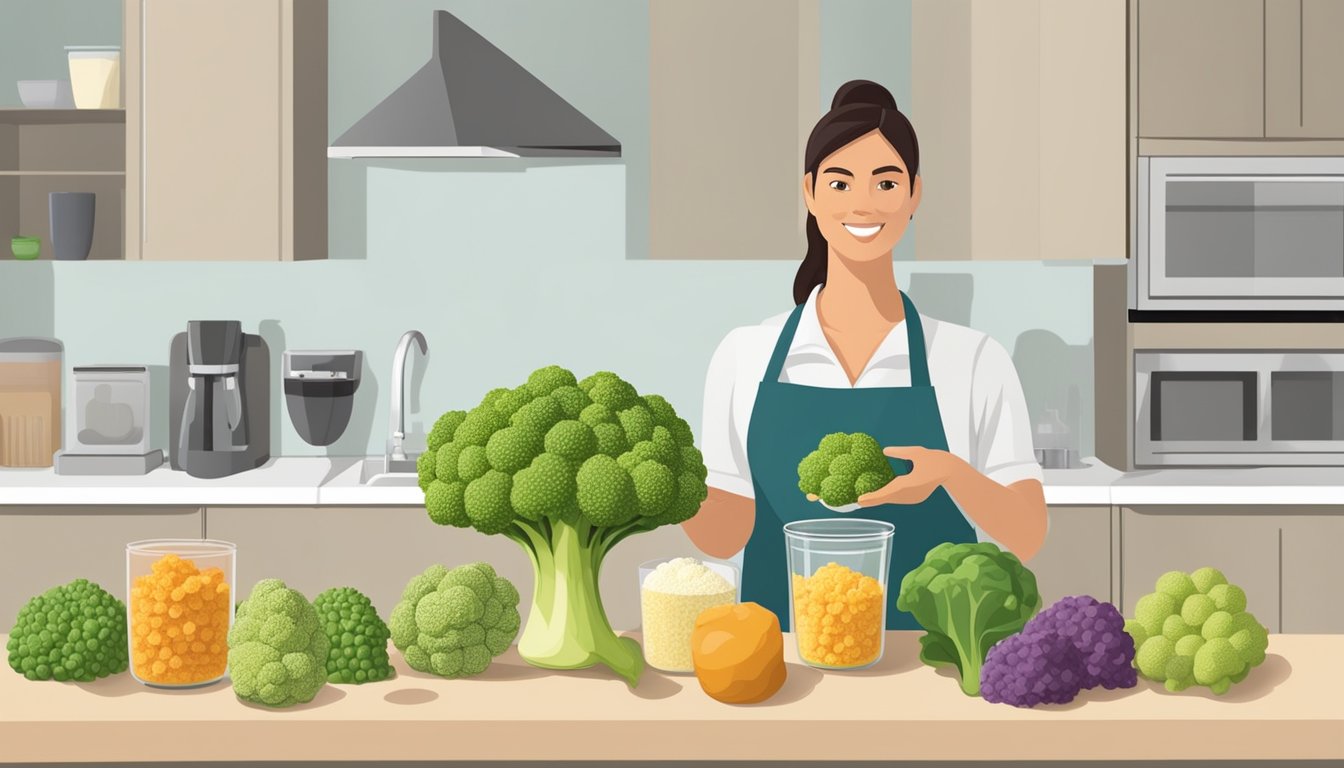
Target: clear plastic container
838,590
180,610
668,617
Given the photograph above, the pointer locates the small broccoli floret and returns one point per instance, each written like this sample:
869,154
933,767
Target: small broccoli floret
572,440
451,623
508,403
472,462
445,462
477,427
572,400
843,468
277,647
75,631
444,428
637,423
487,500
538,416
544,381
655,488
357,635
425,465
610,440
606,492
614,393
512,448
595,414
446,503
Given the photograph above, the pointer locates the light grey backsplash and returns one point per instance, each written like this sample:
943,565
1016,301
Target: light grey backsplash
507,267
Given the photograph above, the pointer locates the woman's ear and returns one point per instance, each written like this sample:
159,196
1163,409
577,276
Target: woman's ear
808,198
915,194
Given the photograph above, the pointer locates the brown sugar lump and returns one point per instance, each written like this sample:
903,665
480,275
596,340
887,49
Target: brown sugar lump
738,651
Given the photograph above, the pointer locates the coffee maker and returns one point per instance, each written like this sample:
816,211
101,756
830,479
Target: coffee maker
219,399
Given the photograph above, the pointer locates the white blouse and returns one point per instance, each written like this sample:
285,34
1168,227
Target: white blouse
979,396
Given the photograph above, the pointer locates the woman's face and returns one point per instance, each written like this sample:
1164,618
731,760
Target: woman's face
863,198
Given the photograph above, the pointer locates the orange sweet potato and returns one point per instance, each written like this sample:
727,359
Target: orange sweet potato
738,652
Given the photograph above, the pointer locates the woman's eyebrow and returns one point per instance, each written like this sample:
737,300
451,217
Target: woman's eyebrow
836,169
887,169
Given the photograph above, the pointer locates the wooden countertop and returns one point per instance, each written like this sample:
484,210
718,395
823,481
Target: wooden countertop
1289,708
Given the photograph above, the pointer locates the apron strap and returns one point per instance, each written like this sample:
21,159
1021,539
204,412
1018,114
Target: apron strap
914,329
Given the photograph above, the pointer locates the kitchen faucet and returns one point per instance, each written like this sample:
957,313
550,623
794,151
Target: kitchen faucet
396,458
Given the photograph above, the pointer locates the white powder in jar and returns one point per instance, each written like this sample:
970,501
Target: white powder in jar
671,598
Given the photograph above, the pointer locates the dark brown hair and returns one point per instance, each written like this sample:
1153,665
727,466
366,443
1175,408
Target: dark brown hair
859,107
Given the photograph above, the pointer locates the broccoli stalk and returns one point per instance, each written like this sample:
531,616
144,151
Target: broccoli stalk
567,470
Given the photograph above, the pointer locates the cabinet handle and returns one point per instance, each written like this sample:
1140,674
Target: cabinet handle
144,128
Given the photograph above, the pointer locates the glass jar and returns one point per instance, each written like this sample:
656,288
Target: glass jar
838,590
179,611
670,604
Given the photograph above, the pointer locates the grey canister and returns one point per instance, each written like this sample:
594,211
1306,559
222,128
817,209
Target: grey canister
71,225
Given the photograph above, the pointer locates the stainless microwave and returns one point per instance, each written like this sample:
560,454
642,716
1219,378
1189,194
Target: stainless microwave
1238,234
1239,408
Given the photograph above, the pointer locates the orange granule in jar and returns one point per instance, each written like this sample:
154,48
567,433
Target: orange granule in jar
179,623
837,613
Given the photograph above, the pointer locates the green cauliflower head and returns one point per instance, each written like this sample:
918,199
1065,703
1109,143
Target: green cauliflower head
451,623
277,647
357,635
1193,629
844,467
75,631
558,448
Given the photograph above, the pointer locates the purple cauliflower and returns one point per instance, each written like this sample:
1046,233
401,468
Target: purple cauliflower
1097,630
1074,644
1032,668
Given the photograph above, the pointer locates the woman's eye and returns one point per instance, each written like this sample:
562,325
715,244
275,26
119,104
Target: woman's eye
839,185
886,185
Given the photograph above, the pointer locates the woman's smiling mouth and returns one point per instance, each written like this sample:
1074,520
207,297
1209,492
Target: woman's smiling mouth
863,231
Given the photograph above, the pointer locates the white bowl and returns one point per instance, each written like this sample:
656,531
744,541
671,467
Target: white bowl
46,94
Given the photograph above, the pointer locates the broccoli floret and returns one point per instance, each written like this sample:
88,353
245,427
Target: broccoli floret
446,503
637,423
572,440
425,466
544,381
512,448
539,415
487,500
655,488
508,403
444,428
277,647
843,468
472,463
610,440
445,461
606,491
572,400
357,635
451,623
75,631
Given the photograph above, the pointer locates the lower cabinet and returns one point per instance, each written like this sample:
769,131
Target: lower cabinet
378,549
1076,556
42,546
1285,558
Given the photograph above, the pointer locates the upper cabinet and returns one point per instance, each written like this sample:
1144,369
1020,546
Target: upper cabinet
1020,110
1226,69
226,129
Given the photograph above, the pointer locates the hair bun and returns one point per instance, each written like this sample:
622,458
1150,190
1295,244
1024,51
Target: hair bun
864,92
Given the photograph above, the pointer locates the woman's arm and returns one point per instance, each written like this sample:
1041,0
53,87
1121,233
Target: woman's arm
1013,515
723,524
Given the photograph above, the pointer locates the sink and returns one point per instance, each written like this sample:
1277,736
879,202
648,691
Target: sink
374,472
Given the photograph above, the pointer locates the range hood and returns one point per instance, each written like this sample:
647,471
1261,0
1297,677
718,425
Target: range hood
472,100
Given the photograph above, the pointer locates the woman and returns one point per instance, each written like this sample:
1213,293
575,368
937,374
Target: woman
856,356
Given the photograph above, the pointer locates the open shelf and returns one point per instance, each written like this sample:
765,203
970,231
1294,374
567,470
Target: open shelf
22,116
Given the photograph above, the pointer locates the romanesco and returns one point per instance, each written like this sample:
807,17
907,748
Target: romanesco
357,635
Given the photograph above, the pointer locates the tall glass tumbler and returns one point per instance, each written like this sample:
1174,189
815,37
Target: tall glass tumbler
180,610
838,590
71,224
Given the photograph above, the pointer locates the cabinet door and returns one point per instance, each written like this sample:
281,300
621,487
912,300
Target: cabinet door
1240,542
43,547
1076,557
209,118
1303,66
1311,573
1201,68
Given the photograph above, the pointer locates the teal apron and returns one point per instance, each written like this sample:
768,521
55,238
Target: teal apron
787,423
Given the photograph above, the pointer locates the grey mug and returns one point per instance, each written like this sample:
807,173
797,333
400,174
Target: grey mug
72,225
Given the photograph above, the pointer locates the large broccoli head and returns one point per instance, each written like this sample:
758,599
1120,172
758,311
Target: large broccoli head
76,631
967,597
844,467
1195,630
358,637
451,623
277,647
561,449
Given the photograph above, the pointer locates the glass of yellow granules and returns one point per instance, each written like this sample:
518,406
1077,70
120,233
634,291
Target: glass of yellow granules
838,590
179,610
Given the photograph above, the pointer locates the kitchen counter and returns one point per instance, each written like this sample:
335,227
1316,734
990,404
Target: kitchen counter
321,481
899,710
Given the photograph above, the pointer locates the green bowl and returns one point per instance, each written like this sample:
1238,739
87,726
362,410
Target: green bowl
26,248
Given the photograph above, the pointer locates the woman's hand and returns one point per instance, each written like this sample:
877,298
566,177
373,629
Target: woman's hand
932,468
